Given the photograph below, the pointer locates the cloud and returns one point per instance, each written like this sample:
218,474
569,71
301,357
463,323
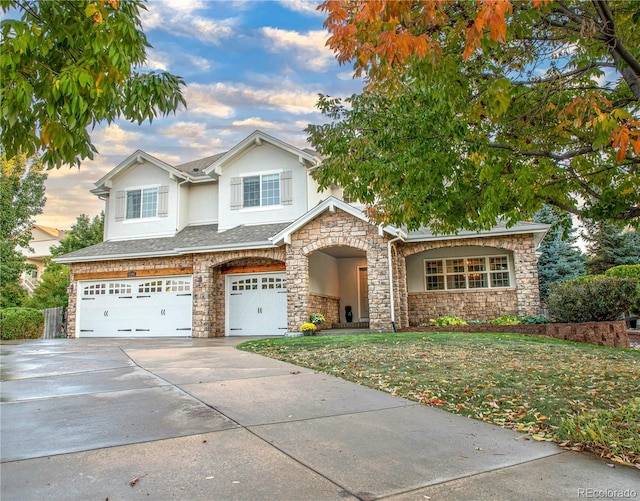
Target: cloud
157,60
200,63
285,96
179,18
308,7
200,99
308,48
255,123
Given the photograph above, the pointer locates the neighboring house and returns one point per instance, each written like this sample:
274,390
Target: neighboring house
242,243
42,239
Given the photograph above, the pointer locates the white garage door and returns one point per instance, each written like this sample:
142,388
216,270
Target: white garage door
256,304
142,307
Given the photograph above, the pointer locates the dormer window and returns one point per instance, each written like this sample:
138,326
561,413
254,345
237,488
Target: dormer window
142,203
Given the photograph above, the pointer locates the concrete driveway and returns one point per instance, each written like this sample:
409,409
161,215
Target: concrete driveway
197,419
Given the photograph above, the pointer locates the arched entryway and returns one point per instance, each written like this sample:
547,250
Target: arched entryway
339,285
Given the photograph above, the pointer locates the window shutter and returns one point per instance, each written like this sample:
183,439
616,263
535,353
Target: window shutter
163,201
286,188
121,199
236,193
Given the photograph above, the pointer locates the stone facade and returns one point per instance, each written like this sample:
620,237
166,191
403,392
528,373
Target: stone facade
481,304
333,229
330,230
329,306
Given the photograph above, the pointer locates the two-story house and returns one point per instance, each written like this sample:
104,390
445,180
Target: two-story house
38,252
242,243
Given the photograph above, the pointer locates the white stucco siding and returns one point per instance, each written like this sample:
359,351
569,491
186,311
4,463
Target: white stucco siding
257,160
202,203
348,270
142,176
323,274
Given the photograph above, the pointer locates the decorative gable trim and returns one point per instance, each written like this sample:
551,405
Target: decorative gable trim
330,204
257,138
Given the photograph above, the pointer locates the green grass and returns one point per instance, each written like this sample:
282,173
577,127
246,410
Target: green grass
530,384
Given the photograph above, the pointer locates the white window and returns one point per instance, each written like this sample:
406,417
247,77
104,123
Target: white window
142,203
467,273
261,191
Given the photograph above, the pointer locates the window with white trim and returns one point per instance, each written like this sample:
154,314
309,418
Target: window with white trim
461,273
142,203
261,190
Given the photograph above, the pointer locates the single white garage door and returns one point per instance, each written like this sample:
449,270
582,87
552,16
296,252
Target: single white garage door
141,307
256,304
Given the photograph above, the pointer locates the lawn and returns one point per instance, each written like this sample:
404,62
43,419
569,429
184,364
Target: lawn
581,396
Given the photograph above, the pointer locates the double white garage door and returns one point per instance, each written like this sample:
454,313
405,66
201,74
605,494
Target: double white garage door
161,306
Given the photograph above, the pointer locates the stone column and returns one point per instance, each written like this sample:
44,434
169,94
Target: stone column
297,288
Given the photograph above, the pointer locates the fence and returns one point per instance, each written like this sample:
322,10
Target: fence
52,323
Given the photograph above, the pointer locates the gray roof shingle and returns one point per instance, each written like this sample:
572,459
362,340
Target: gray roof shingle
190,239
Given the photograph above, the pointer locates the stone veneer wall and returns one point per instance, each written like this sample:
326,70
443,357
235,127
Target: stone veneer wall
209,292
523,299
332,229
469,305
139,266
208,314
329,306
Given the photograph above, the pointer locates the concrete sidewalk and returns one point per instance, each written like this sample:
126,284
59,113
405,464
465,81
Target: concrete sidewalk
197,419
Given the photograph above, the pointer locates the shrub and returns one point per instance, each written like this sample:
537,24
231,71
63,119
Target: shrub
628,271
21,323
308,328
317,319
447,320
505,320
592,299
534,319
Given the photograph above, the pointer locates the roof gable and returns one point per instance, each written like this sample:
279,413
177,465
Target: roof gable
256,139
103,185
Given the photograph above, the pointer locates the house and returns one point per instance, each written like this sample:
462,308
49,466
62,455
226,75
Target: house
242,243
42,239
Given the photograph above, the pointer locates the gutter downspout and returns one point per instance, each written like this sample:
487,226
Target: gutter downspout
393,306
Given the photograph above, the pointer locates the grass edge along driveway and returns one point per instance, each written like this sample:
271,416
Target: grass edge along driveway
581,396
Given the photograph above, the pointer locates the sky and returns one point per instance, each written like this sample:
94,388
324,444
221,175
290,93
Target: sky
248,65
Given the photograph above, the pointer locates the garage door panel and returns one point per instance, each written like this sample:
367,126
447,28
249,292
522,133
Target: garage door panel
256,304
141,307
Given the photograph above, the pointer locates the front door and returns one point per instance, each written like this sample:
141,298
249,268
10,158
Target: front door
256,304
363,293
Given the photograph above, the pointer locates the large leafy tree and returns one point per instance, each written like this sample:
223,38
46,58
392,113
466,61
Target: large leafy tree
560,258
69,65
480,110
52,288
83,233
21,198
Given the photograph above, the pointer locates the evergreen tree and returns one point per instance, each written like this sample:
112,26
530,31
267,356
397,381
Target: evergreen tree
610,245
560,257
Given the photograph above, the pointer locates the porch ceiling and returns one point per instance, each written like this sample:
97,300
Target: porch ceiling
342,251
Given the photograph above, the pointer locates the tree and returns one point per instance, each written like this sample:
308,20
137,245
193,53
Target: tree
51,291
610,245
52,288
560,258
83,233
69,65
457,129
21,198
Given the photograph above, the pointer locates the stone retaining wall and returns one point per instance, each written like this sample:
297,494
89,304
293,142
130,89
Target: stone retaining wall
598,333
329,306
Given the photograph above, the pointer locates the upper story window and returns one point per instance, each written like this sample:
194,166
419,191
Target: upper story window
467,273
142,203
271,189
260,191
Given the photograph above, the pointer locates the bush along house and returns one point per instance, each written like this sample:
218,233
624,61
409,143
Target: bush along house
242,243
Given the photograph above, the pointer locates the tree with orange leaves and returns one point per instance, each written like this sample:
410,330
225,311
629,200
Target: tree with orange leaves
482,110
